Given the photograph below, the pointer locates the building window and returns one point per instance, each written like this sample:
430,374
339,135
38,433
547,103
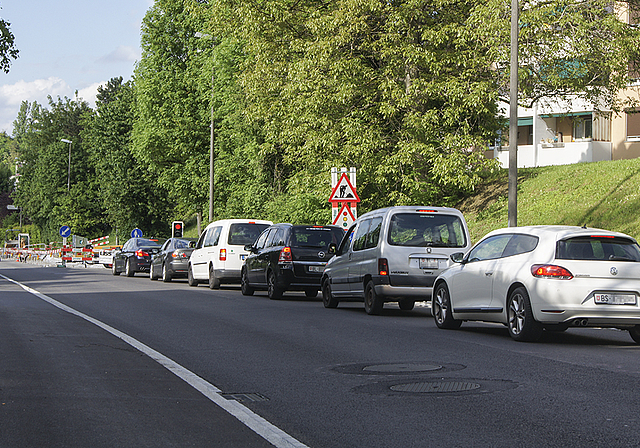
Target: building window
582,127
633,125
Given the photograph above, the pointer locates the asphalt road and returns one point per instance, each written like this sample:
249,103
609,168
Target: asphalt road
217,369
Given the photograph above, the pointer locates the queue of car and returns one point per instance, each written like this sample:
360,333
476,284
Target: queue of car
530,279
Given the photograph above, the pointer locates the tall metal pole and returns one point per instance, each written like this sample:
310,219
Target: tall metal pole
513,119
211,151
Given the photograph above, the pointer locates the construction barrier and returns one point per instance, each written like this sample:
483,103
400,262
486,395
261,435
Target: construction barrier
75,254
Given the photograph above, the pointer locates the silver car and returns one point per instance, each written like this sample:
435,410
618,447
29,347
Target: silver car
393,255
543,277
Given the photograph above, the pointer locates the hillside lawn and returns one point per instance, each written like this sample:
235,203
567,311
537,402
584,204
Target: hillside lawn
603,195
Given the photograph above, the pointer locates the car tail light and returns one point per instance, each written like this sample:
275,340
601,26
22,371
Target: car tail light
285,255
383,266
141,254
223,254
550,271
178,255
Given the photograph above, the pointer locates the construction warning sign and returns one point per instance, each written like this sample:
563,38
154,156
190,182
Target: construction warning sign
345,217
343,191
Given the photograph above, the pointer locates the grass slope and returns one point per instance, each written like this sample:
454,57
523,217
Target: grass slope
604,195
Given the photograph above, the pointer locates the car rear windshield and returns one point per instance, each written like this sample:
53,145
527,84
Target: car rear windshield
426,229
181,244
598,248
316,237
245,233
142,243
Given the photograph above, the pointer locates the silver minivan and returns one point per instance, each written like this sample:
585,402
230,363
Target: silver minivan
394,255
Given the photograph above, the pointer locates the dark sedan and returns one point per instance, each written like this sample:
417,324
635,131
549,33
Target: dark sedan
135,256
173,259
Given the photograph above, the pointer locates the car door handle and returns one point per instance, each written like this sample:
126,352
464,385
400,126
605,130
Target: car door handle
488,273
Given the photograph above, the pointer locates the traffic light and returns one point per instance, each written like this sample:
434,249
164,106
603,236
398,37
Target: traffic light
176,229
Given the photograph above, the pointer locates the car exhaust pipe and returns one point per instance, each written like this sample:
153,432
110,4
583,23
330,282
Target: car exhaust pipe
580,322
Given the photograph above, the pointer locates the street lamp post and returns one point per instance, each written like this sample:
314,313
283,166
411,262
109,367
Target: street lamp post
513,119
212,154
64,140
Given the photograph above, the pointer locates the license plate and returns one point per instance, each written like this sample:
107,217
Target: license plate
614,299
316,268
428,263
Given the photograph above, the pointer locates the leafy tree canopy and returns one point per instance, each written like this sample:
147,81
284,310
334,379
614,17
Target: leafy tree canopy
8,49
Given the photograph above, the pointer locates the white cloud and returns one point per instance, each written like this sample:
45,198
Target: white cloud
89,93
12,96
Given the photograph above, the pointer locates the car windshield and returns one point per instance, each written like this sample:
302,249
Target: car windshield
426,229
596,247
245,233
316,237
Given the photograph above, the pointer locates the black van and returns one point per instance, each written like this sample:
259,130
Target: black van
288,257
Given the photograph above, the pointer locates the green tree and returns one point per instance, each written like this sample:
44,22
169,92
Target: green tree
172,86
8,49
43,191
128,193
400,90
568,50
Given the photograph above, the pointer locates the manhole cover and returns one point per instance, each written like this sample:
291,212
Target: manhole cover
400,368
436,387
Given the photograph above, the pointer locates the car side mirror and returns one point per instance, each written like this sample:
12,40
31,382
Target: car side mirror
458,257
192,244
333,247
249,248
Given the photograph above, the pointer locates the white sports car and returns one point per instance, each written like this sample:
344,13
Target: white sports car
543,277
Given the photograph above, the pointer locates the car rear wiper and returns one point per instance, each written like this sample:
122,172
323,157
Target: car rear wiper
620,258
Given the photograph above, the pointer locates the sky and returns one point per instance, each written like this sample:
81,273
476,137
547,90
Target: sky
67,46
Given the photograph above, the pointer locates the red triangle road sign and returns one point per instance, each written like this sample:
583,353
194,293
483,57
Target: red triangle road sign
344,191
344,217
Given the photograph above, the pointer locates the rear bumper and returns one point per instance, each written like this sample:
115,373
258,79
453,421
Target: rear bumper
228,275
390,293
179,268
288,279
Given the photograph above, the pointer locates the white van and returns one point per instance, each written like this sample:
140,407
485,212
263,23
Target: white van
393,255
219,253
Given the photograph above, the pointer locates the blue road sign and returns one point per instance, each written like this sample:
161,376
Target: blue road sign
65,231
136,233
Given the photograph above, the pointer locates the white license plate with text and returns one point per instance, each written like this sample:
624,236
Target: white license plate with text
615,299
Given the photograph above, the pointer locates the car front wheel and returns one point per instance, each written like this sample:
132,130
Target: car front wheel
151,274
273,291
214,282
441,308
166,275
245,287
373,303
522,325
128,269
328,300
190,279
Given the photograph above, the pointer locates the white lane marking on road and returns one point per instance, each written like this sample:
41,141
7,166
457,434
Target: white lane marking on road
259,425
